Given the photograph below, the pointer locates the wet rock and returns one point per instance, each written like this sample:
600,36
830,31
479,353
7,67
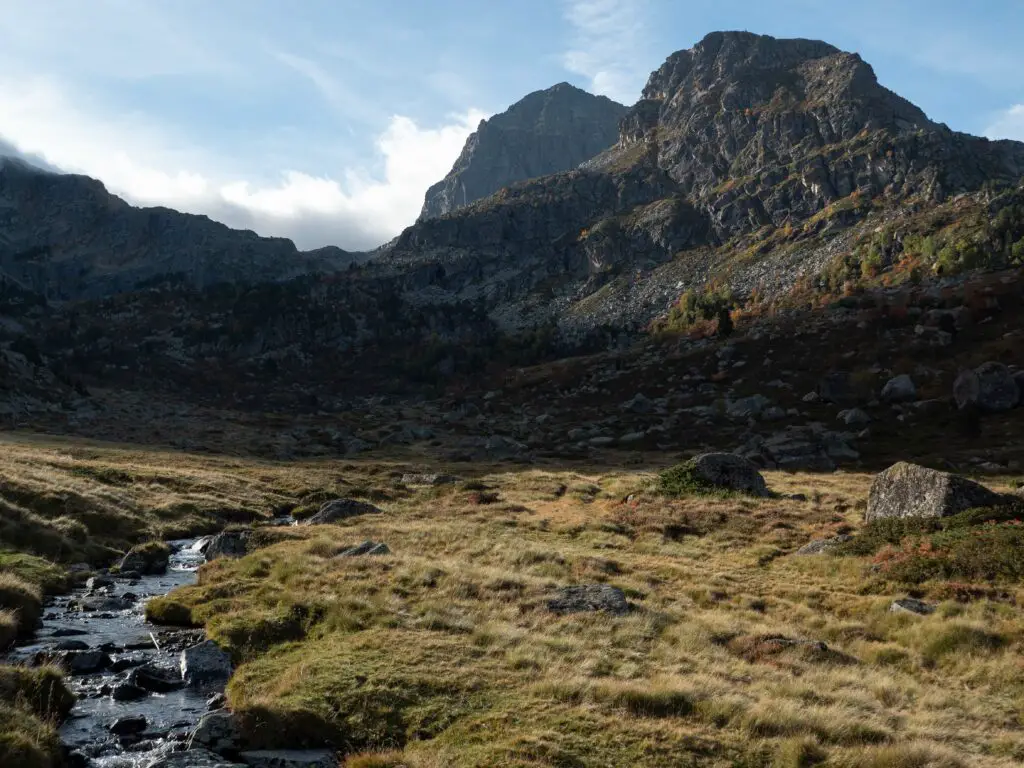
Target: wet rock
729,472
127,662
290,758
589,598
991,387
911,605
156,679
148,559
217,701
83,662
821,546
128,692
71,645
341,509
909,490
68,633
218,732
98,582
205,663
366,548
193,758
129,726
129,575
228,544
900,389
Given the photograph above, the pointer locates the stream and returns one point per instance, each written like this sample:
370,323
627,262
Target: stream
121,667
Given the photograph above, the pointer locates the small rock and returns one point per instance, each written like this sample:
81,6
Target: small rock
155,679
911,605
589,597
83,662
638,404
854,417
71,645
217,731
217,701
747,407
194,758
128,692
366,548
341,509
431,478
205,663
98,582
128,726
821,546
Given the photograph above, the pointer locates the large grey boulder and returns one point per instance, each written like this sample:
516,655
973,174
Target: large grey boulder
747,407
228,544
589,598
205,663
728,472
991,387
290,758
899,389
908,490
341,509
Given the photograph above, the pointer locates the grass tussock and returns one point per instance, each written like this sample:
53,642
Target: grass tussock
23,600
32,702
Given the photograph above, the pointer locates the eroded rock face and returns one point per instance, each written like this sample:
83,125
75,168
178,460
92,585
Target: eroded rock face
341,509
729,472
545,132
908,490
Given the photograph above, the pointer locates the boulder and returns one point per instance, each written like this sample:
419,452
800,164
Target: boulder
899,389
228,544
909,490
290,758
155,679
729,472
149,560
217,731
129,725
748,407
854,417
95,583
83,662
911,605
990,387
366,548
205,663
128,692
589,598
341,509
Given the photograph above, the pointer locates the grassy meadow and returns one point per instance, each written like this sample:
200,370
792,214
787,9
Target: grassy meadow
444,653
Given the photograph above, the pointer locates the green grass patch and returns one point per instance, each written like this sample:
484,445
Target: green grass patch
682,480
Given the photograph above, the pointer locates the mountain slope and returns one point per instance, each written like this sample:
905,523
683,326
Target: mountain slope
744,145
545,132
65,237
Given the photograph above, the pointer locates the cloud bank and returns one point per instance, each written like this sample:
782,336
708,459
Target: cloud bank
356,207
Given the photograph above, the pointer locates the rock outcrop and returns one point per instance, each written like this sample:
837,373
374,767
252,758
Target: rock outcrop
908,490
544,133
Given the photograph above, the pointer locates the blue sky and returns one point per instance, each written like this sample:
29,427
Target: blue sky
325,120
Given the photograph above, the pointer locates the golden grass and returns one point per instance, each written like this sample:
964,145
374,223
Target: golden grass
444,653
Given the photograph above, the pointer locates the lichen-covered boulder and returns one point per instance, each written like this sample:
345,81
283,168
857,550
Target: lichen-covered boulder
341,509
589,598
909,490
728,472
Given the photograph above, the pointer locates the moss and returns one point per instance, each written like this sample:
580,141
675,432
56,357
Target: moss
168,611
47,575
681,480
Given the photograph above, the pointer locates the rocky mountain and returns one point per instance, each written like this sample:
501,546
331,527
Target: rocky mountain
65,237
749,160
545,132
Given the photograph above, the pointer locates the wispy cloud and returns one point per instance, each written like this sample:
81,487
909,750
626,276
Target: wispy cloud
355,207
1008,125
607,44
343,100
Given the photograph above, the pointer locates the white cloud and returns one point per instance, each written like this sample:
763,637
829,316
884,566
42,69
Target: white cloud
147,164
608,37
1009,125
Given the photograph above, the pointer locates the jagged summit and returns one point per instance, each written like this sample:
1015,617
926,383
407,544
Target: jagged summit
545,132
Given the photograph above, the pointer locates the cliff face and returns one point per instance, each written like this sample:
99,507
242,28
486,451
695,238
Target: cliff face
741,139
65,237
544,133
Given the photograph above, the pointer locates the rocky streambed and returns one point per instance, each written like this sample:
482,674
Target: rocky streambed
147,697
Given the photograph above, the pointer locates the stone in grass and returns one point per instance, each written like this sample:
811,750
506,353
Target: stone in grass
589,598
341,509
908,490
367,548
821,546
290,758
911,605
711,472
205,663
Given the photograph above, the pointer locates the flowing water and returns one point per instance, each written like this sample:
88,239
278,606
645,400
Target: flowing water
112,620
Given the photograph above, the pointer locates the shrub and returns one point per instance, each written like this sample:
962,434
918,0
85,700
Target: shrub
681,480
